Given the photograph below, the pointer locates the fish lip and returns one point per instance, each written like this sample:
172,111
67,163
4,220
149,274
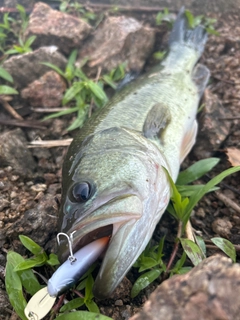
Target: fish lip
86,231
81,238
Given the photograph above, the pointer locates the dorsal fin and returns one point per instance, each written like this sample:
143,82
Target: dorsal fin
157,120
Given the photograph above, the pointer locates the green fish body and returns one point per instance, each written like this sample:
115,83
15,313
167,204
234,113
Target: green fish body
114,183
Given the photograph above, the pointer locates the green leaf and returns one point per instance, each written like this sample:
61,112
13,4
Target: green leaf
190,18
53,260
5,75
82,285
55,68
196,171
30,263
200,242
226,246
30,245
194,199
188,191
159,55
184,270
72,91
144,280
29,41
7,90
69,72
82,315
92,306
109,81
147,263
192,250
73,304
97,90
28,278
60,113
88,289
14,286
78,122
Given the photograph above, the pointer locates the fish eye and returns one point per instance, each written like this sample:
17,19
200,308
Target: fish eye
82,191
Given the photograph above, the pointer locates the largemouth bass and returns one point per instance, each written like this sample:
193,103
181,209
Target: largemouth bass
114,184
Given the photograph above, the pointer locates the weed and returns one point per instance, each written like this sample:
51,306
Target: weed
159,55
208,23
83,92
74,7
15,29
164,16
5,89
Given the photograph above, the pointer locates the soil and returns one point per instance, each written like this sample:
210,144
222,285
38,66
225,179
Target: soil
211,217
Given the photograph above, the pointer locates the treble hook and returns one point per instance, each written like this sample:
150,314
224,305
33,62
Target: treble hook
71,258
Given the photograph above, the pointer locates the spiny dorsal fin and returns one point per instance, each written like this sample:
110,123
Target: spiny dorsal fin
157,120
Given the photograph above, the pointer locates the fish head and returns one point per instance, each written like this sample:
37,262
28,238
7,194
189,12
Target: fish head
117,188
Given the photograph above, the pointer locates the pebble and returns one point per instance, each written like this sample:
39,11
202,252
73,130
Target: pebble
40,187
4,203
119,302
14,178
200,213
13,194
222,227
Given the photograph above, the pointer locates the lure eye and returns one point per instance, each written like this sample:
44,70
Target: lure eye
82,191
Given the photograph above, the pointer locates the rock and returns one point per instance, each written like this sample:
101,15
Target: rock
211,128
14,153
222,227
53,27
119,39
39,223
27,4
25,68
209,291
45,92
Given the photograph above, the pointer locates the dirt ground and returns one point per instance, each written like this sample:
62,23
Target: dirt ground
213,216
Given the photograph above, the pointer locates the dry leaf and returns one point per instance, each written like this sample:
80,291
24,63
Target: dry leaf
233,156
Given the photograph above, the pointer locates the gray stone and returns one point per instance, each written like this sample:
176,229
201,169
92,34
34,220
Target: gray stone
39,223
45,92
14,153
53,27
26,68
209,291
119,39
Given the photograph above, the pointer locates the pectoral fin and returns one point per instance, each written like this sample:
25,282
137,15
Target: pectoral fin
157,120
200,77
188,141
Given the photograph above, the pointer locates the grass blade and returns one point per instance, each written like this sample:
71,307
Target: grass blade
192,250
196,171
14,286
7,90
194,199
144,280
5,75
82,315
226,246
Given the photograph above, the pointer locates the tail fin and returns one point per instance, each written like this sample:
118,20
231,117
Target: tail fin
193,38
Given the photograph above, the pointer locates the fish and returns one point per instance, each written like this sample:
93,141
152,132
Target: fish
114,179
